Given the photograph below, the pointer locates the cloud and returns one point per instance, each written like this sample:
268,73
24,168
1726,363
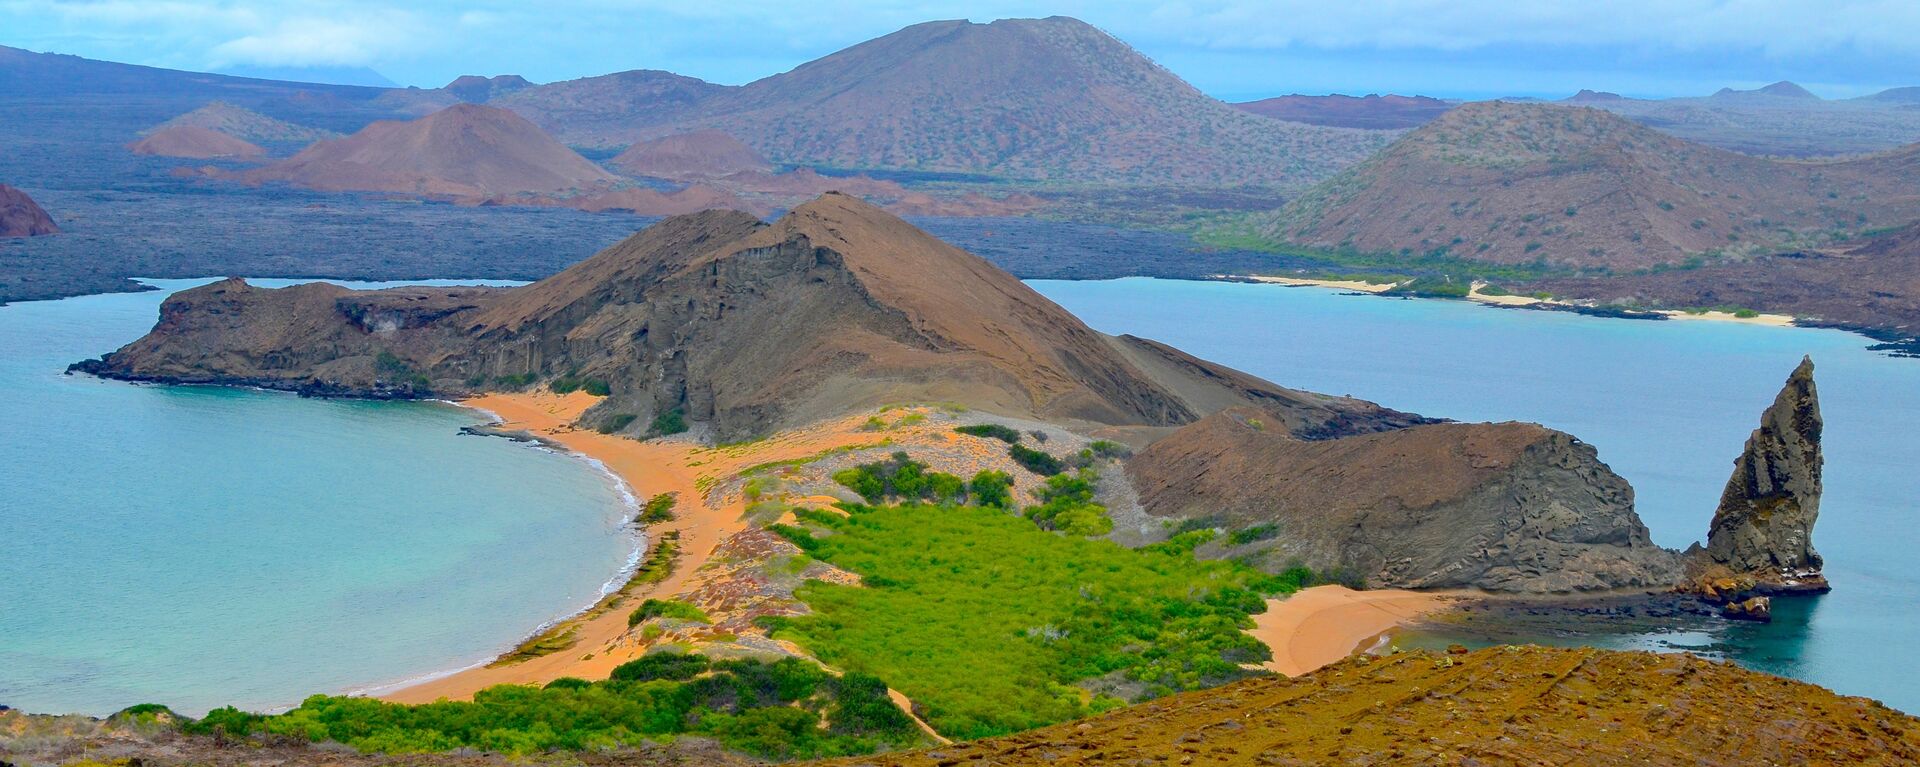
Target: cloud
311,41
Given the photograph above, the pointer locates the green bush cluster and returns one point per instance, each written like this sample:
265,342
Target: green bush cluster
991,431
1259,532
988,622
568,384
1432,287
1066,504
992,489
1037,461
788,709
396,370
659,508
515,381
667,423
666,608
902,477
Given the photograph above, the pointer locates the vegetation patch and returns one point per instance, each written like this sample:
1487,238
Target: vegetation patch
991,431
1037,461
617,422
569,384
788,709
1066,505
988,621
668,423
902,478
659,508
666,608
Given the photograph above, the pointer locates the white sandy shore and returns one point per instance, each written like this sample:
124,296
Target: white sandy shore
1769,320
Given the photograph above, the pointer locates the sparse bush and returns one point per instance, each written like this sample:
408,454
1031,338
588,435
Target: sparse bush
616,422
668,423
666,608
659,508
1036,461
991,431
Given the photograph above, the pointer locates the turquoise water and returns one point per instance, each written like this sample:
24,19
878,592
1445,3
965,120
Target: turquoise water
1668,405
200,546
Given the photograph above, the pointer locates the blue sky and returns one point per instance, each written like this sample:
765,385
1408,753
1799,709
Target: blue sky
1231,49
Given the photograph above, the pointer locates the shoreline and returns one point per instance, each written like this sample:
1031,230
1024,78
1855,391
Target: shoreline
1322,625
1513,301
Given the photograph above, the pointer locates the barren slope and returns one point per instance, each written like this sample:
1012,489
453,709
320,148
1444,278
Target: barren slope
1499,706
190,141
1572,186
463,150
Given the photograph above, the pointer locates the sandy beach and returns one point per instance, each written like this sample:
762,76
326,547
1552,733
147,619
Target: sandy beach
1324,624
1475,295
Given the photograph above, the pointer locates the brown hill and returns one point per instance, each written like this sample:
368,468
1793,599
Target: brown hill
195,143
475,89
1372,111
1433,506
463,150
1571,186
1499,706
743,327
1052,99
20,216
686,156
244,124
610,111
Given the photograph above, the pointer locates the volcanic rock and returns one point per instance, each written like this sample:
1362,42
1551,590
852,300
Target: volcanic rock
1764,525
20,216
1503,507
475,89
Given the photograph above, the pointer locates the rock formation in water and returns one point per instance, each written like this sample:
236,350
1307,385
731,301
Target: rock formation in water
20,216
1762,533
1507,507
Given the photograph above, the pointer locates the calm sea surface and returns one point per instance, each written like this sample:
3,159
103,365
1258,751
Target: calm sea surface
200,546
1668,405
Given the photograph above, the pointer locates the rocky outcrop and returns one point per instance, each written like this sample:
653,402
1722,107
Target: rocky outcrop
1497,706
1508,507
743,327
475,89
1761,541
20,216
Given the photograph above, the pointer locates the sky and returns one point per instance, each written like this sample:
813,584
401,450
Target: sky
1232,49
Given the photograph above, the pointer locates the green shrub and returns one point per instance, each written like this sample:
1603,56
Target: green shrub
991,431
666,608
659,508
902,477
668,423
568,384
1036,461
661,665
788,709
993,489
987,621
1067,505
515,381
1260,532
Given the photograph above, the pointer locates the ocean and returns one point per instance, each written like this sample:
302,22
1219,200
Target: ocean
204,546
1668,404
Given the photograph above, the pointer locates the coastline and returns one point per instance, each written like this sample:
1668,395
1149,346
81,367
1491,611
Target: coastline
1322,625
1512,301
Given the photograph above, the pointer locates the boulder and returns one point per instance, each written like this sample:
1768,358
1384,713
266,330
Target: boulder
1764,525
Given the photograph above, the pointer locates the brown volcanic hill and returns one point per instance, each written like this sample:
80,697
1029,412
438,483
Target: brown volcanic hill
1372,111
475,89
609,111
1572,186
1047,98
1502,507
1052,99
463,150
244,124
196,143
1498,706
20,216
699,155
744,327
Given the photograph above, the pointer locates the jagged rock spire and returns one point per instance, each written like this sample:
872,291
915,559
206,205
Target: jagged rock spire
1765,521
